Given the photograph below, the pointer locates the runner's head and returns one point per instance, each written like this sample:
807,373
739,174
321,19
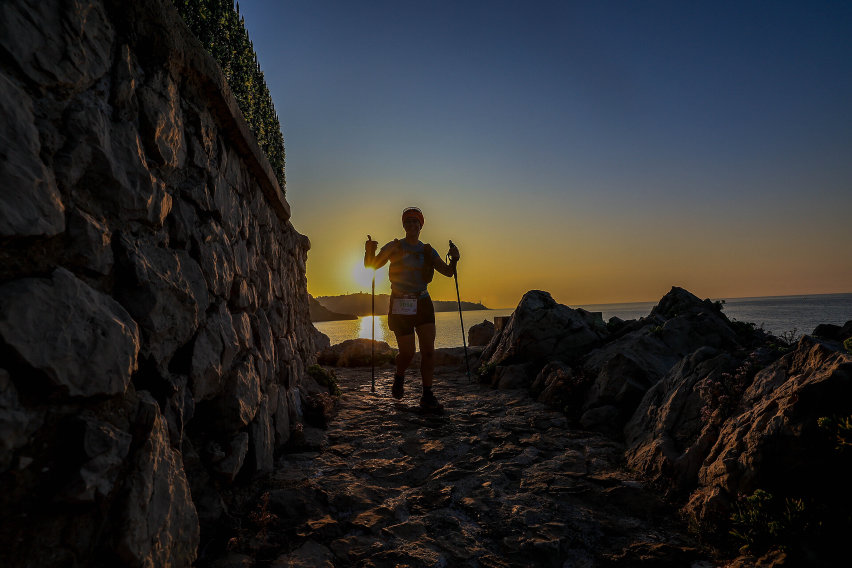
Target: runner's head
412,213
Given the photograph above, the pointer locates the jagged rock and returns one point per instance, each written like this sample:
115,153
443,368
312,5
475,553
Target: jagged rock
262,332
620,383
512,376
480,334
167,297
356,353
774,441
555,385
320,340
159,524
229,466
212,354
30,203
262,438
216,259
104,163
89,243
104,447
667,438
17,423
82,340
627,366
57,46
678,302
162,121
541,330
281,419
241,396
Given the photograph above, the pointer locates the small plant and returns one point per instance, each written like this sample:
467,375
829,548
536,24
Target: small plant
326,378
762,521
840,428
486,371
847,345
721,395
657,331
719,305
790,337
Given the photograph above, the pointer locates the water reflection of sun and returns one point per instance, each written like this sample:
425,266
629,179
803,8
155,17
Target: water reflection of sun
366,328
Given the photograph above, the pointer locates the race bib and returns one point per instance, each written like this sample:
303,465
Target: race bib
404,306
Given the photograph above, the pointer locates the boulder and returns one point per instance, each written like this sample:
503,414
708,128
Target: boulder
105,448
167,295
228,464
512,376
89,243
357,353
81,339
627,366
541,330
834,332
559,387
480,334
212,354
30,204
667,437
774,441
158,524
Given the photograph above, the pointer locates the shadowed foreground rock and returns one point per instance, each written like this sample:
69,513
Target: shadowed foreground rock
500,480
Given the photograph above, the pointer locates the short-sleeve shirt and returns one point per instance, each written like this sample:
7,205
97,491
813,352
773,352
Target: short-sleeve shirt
406,269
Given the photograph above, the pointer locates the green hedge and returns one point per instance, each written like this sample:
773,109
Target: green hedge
221,29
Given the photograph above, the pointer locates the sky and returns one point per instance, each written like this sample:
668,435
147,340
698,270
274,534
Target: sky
601,151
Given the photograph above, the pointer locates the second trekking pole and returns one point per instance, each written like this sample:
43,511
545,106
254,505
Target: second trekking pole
458,297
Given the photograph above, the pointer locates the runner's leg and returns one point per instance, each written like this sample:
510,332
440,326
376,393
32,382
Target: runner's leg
426,335
406,352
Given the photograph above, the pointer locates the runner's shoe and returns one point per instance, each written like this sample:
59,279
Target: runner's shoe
398,388
428,403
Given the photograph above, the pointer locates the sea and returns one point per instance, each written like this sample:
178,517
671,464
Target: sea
775,314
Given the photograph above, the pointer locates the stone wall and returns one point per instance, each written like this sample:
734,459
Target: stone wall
154,327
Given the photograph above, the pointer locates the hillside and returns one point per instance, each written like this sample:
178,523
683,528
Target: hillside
359,304
321,313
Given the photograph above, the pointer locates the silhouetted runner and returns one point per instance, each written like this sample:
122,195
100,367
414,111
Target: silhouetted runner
412,265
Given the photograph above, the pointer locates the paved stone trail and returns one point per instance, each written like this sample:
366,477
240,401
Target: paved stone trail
499,480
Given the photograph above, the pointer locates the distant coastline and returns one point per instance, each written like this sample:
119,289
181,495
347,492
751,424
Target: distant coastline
321,313
352,306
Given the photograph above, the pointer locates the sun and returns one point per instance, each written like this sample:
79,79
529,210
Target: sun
363,277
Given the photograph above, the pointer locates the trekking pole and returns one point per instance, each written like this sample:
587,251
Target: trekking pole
458,297
373,322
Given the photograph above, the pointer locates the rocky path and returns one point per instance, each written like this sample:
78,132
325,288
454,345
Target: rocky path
499,480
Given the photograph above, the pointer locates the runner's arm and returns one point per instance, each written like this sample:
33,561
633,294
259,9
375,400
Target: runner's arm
373,260
443,267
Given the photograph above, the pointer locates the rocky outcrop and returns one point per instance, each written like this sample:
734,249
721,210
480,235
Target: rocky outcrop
540,330
628,365
719,427
773,440
480,334
154,324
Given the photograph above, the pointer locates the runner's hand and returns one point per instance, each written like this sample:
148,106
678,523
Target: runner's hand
370,245
454,252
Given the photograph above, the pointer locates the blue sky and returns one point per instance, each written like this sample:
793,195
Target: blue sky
603,151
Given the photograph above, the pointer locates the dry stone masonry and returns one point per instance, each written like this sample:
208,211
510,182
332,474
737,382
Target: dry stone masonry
154,327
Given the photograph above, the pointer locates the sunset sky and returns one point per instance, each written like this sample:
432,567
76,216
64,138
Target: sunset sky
602,151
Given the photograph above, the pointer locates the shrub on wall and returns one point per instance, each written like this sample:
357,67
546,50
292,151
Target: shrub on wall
221,29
